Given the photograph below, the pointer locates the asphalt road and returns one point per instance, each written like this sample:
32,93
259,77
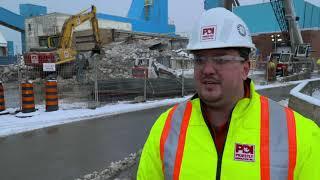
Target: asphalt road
72,150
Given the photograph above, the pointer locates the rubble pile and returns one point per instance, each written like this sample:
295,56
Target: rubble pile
116,61
116,169
10,73
120,57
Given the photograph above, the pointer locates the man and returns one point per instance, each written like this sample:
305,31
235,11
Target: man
271,68
227,130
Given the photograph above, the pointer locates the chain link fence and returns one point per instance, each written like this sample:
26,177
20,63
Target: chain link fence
91,81
88,82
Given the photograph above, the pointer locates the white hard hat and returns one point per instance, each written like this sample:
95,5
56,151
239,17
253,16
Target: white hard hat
220,28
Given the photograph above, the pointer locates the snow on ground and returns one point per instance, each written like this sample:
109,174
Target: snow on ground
252,72
284,102
296,92
10,124
279,84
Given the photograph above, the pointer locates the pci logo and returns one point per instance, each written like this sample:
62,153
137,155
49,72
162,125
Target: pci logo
34,59
208,33
244,152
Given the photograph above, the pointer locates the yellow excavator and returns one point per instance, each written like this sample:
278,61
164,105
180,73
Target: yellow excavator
61,52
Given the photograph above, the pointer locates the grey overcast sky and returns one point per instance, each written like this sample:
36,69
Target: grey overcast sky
180,12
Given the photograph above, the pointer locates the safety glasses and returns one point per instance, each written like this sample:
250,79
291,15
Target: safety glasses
219,59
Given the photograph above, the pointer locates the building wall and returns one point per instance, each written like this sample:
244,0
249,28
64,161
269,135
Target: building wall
260,18
30,10
141,25
155,22
208,4
105,24
311,16
47,25
10,48
51,24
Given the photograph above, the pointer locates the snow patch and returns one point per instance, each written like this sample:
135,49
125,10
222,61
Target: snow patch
296,92
9,124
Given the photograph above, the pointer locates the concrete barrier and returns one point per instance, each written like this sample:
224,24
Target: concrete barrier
302,101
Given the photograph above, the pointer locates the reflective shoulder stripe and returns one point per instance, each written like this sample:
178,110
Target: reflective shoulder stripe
165,133
173,139
182,139
278,141
264,139
292,142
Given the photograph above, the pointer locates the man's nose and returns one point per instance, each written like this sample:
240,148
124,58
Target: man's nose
210,67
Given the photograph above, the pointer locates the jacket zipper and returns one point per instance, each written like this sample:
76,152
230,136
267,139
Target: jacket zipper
219,163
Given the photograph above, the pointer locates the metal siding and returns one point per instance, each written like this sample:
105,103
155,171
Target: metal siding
259,17
6,60
158,21
30,10
140,25
10,48
208,4
136,9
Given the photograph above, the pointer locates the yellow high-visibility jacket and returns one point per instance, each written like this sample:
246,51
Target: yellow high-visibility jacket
264,141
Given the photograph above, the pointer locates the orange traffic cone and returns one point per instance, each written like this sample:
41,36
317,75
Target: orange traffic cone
27,98
52,96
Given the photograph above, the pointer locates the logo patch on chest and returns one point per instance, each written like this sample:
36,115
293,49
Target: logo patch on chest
244,152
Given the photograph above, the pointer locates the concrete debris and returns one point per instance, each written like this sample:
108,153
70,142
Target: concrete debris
115,169
10,73
116,61
120,57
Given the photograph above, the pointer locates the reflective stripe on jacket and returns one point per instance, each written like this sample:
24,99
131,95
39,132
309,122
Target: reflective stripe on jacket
264,141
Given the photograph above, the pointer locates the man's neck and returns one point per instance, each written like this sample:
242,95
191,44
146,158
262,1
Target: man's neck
218,116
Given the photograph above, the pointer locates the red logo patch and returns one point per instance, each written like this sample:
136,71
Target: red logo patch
244,152
208,33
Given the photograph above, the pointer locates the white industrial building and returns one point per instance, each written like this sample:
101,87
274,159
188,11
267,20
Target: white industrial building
51,24
3,45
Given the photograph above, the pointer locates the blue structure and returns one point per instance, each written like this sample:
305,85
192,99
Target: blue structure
208,4
10,48
146,16
6,60
260,18
30,10
16,22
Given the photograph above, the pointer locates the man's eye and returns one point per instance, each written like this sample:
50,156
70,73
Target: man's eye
220,61
199,60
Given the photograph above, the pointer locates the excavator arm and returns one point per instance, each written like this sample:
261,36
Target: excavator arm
65,40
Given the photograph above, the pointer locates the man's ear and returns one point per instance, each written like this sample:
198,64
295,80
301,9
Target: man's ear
246,69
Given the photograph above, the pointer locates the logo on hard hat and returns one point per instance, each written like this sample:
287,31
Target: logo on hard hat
241,30
244,152
208,33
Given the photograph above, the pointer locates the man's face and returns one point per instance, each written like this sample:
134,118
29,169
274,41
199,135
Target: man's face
219,82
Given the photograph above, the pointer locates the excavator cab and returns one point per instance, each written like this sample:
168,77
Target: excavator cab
49,41
302,50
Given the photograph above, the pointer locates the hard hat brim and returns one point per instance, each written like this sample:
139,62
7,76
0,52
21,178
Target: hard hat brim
204,46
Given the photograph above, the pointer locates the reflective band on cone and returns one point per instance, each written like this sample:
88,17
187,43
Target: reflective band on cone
52,96
27,95
2,101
